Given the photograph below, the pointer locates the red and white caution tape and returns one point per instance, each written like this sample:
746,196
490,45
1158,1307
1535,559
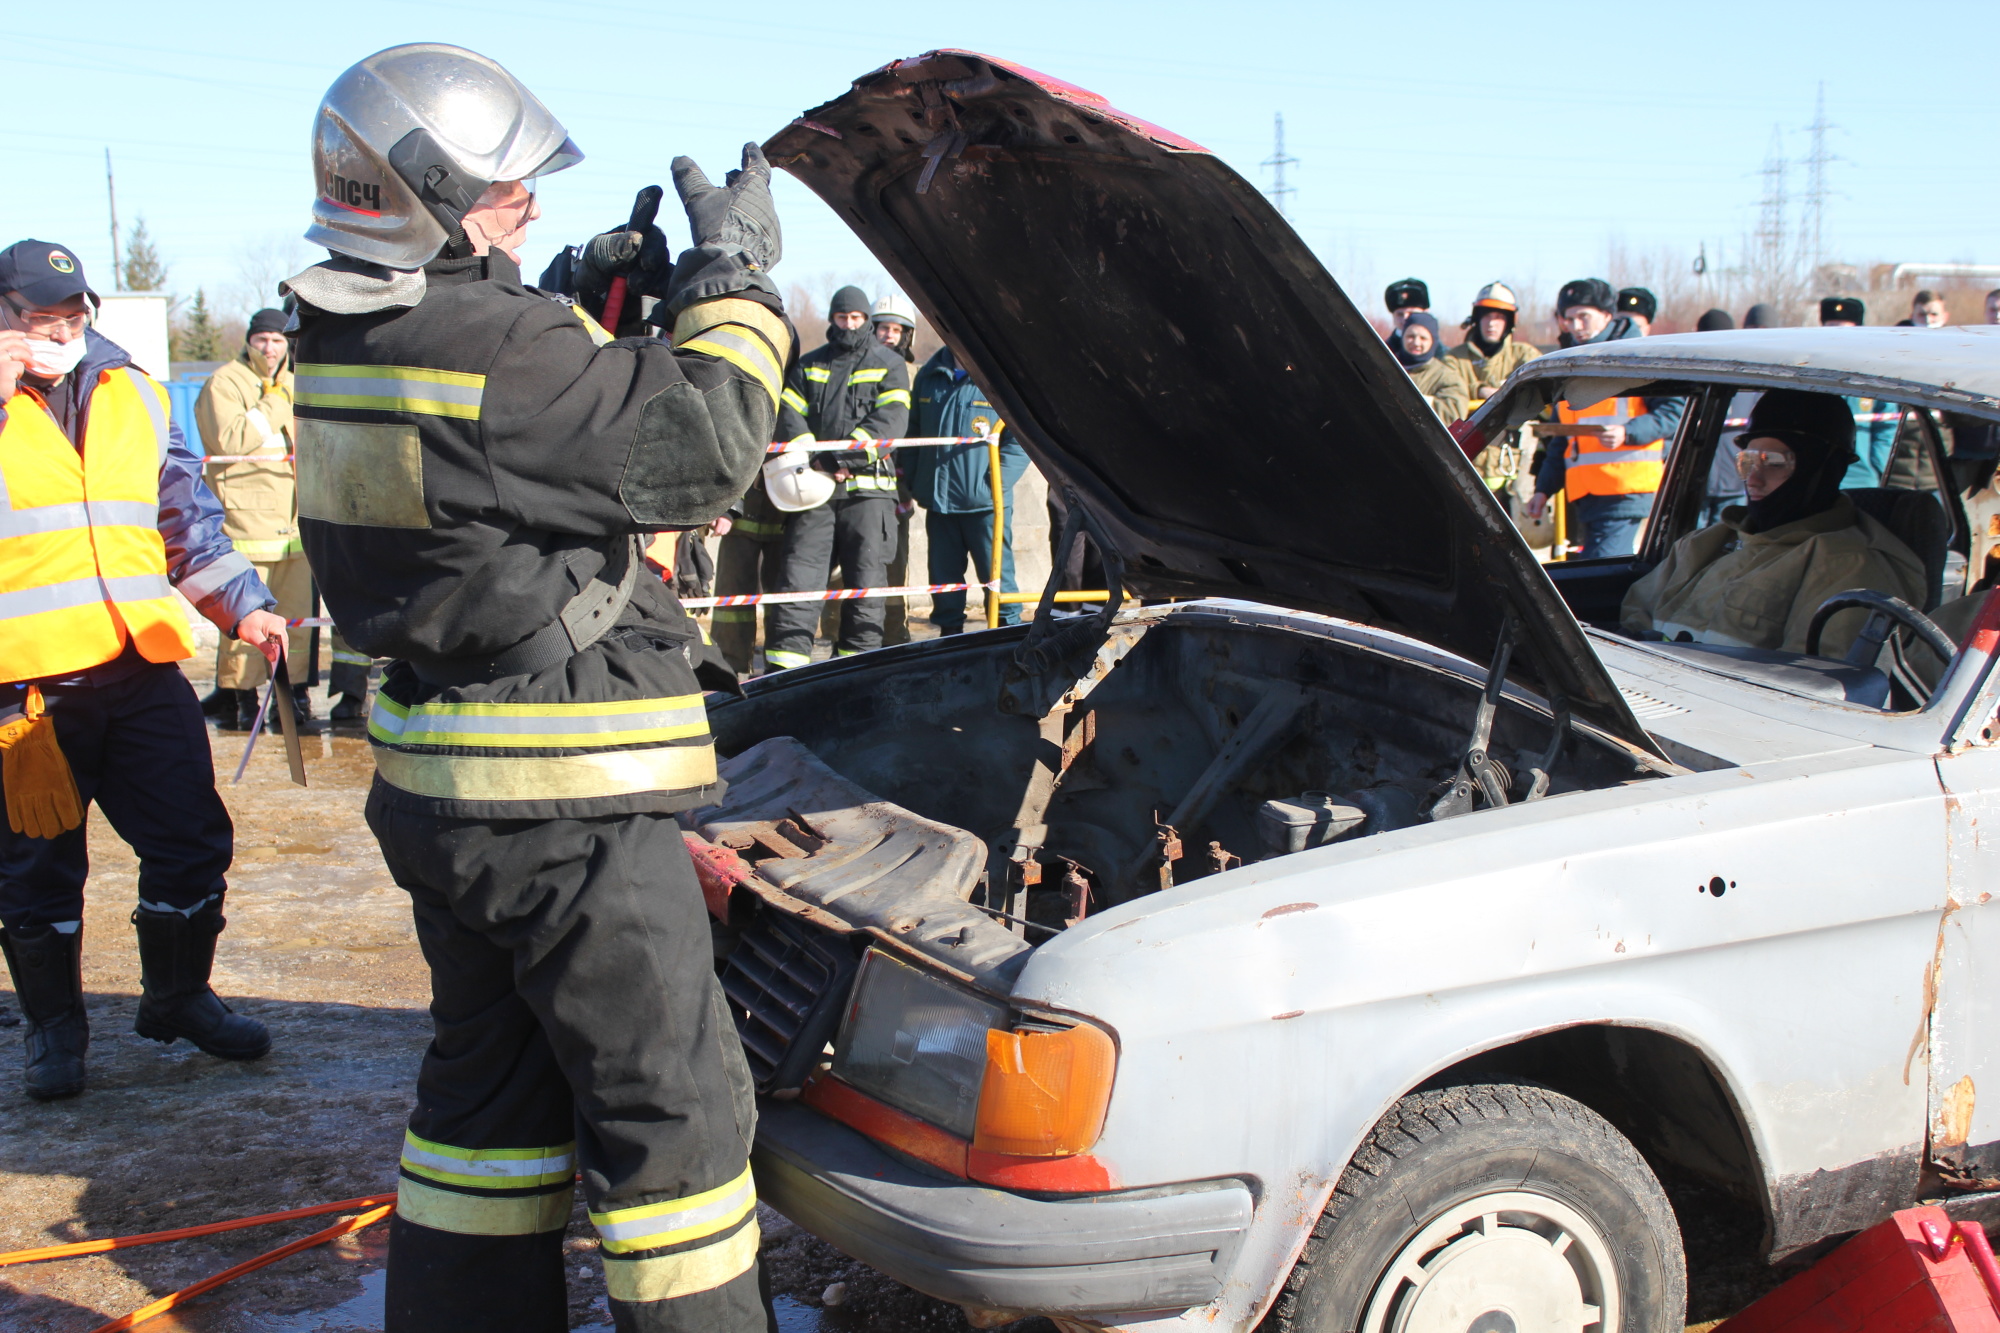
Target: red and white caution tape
830,595
842,446
1859,417
310,622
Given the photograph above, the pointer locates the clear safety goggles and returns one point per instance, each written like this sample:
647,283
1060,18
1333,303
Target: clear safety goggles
1774,462
41,324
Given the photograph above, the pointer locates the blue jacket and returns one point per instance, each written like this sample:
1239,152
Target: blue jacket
202,563
954,479
1874,442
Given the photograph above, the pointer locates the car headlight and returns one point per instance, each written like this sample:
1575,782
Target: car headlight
917,1042
953,1059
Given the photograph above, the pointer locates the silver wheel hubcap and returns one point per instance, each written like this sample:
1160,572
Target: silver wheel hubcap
1501,1263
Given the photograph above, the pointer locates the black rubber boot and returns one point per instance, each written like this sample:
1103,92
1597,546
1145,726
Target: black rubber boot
47,967
351,708
176,954
245,716
219,704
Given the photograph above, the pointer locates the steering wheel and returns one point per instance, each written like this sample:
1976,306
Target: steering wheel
1885,613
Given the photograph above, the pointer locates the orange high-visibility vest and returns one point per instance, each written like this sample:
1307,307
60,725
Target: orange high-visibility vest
1591,467
82,565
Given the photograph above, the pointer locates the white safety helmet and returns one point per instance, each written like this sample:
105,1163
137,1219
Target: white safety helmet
794,484
407,140
1496,296
895,308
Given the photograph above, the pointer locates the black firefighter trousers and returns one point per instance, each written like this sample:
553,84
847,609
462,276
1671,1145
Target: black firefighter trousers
856,532
578,1026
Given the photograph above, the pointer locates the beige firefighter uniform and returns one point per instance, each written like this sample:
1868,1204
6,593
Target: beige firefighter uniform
245,418
1442,384
1483,374
1759,590
1501,462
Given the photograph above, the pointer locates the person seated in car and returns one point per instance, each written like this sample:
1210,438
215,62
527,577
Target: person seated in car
1754,579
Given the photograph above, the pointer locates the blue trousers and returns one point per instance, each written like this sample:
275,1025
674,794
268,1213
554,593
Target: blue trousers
139,748
1608,524
953,539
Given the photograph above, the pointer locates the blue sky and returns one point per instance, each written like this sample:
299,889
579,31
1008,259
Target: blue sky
1459,142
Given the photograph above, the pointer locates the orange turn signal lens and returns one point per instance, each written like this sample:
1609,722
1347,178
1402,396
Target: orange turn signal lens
1045,1093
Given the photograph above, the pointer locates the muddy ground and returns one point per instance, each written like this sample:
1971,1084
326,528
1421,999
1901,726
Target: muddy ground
319,946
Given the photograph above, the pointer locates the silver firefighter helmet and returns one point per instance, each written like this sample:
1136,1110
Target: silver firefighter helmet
407,140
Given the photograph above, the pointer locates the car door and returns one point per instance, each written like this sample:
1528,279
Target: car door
1961,1048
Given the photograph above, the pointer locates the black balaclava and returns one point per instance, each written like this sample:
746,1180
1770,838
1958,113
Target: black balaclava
1471,327
1422,319
1820,430
848,300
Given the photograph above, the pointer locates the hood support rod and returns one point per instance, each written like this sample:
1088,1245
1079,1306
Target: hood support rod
1477,773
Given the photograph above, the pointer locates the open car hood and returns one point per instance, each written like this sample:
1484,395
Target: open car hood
1165,344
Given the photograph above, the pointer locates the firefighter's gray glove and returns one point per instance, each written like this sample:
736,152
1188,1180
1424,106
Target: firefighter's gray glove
738,213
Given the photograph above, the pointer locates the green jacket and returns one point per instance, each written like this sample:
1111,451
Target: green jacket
1725,586
1443,386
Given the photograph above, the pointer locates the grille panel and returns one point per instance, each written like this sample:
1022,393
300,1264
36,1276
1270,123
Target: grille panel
786,982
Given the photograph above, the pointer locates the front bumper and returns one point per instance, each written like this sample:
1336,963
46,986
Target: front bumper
1130,1252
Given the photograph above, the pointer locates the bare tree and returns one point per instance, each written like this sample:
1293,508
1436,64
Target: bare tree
260,267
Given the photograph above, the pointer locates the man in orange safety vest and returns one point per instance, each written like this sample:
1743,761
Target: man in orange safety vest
105,526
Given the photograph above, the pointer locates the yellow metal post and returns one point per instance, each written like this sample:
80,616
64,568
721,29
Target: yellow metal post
999,527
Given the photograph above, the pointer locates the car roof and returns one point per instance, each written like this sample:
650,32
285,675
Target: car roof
1954,369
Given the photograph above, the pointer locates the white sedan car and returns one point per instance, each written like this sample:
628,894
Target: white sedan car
1368,940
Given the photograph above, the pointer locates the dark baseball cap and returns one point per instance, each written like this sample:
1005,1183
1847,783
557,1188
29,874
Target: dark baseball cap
43,275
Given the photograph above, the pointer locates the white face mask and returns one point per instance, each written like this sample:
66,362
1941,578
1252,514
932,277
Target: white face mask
53,360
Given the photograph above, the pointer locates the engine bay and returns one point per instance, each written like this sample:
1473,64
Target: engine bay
971,799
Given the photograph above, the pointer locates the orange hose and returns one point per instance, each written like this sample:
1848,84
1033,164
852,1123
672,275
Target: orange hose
166,1303
183,1233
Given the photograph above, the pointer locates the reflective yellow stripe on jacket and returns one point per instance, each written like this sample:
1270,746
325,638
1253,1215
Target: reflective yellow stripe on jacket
622,748
82,563
553,726
437,393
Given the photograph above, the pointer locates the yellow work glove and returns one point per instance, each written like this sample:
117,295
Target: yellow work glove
42,799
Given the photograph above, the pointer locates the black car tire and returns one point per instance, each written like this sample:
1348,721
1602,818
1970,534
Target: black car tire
1419,1230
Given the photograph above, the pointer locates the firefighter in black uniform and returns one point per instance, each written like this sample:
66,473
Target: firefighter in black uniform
476,459
854,387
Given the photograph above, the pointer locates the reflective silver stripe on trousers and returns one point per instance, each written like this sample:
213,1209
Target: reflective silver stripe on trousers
210,578
78,514
630,1228
345,386
82,592
154,411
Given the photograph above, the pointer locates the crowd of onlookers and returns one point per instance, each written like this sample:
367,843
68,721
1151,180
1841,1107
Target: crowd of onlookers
1612,453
